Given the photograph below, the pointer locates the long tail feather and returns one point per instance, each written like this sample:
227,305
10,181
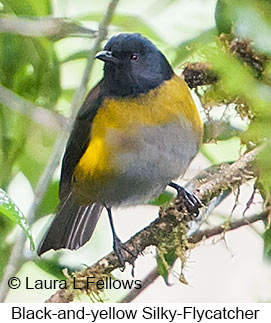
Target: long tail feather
72,227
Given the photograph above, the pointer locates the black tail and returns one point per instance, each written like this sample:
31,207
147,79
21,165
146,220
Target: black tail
72,226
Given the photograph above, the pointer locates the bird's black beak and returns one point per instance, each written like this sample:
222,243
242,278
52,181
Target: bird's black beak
107,56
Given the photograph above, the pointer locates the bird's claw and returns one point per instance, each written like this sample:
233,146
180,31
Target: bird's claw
192,203
188,200
119,249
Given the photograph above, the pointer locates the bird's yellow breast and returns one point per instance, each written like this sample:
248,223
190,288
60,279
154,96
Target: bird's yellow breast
168,103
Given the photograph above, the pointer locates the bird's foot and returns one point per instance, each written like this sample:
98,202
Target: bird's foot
188,201
120,249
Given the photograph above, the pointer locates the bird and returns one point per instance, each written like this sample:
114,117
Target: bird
137,130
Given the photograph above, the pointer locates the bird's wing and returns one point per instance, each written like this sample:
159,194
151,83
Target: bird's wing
79,138
74,224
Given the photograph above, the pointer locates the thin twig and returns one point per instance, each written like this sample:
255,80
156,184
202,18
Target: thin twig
102,33
55,28
44,117
208,233
15,259
198,237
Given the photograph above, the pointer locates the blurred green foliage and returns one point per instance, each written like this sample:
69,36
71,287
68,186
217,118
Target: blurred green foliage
165,260
267,245
230,14
32,67
11,211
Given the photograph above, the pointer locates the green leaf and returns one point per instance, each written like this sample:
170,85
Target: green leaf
162,199
267,245
28,7
11,211
165,262
224,16
51,266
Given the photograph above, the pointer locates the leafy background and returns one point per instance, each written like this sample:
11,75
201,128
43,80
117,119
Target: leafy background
46,71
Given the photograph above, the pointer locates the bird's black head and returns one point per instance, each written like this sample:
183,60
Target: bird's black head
133,65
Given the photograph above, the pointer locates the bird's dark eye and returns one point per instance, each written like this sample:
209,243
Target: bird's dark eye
134,57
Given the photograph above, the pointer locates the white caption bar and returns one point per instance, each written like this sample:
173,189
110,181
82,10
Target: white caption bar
137,312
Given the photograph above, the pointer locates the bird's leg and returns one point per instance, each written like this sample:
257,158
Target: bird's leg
191,202
118,246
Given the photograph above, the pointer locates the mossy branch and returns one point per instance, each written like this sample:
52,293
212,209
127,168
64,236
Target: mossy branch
202,73
225,178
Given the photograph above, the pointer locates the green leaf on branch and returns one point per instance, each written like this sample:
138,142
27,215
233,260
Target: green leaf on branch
51,266
267,245
165,262
11,211
162,199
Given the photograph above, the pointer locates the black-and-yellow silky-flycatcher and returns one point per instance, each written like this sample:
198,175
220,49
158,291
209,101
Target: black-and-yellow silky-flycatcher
137,130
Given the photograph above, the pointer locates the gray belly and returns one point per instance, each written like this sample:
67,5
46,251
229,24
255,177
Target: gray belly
160,155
